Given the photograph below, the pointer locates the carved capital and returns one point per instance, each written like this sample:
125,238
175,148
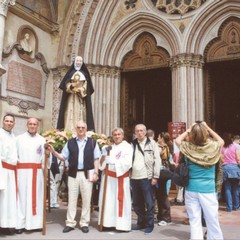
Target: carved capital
186,60
59,72
104,70
4,4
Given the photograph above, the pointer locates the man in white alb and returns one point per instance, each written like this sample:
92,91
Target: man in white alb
8,161
30,148
117,211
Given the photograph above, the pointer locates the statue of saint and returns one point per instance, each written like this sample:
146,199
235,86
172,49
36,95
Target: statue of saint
76,98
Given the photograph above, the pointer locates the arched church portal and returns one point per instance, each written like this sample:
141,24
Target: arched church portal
146,88
222,86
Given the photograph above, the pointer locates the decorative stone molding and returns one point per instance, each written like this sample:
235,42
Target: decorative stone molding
23,105
38,56
189,60
76,29
227,45
130,4
177,6
35,18
43,62
145,54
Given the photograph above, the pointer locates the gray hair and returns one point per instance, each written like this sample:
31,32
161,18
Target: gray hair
141,125
118,129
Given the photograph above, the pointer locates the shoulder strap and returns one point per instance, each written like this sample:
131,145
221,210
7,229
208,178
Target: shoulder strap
134,143
140,149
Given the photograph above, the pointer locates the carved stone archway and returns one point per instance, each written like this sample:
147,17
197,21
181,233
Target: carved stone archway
146,56
222,52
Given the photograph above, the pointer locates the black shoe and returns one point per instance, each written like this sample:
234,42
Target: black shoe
138,227
148,230
6,231
19,231
179,203
85,229
67,229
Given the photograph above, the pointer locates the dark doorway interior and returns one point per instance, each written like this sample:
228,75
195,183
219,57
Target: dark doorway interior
225,77
150,98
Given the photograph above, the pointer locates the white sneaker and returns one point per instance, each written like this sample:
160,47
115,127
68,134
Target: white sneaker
54,205
162,223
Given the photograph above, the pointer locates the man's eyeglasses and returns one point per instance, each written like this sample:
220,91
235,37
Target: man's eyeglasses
80,127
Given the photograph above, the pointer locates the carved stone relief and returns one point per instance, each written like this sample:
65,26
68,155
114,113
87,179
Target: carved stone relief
177,6
227,45
145,54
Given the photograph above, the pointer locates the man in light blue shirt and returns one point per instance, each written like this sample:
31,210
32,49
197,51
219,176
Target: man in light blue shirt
81,154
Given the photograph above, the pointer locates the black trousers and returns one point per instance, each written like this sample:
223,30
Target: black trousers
163,202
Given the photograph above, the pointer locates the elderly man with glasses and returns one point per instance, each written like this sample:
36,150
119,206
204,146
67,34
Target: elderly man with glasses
82,154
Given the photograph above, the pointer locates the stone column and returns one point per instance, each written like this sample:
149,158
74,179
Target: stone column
187,88
106,98
3,13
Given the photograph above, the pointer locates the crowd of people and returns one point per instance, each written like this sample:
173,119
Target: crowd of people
133,175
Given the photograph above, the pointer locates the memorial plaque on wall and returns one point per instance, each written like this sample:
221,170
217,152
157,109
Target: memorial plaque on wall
24,79
176,128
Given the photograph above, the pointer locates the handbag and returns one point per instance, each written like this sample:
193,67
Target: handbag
181,175
165,174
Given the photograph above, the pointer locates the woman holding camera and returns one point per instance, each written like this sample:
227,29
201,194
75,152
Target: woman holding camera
202,154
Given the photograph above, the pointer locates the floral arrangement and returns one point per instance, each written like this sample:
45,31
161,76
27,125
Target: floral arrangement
58,138
101,139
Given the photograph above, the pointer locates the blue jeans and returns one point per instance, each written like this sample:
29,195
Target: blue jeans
168,185
231,193
143,204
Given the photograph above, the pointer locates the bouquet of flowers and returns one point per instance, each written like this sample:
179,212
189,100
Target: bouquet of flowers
101,139
57,138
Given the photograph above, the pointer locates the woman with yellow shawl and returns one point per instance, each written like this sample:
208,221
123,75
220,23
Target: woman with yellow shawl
201,153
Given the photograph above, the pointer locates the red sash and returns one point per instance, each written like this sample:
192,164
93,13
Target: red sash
34,167
120,189
14,168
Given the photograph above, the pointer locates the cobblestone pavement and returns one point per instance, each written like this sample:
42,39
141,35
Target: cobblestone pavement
230,224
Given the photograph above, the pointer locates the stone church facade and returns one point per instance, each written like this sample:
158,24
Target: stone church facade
151,61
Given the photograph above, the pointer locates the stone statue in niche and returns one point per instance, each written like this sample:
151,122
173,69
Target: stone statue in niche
26,43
